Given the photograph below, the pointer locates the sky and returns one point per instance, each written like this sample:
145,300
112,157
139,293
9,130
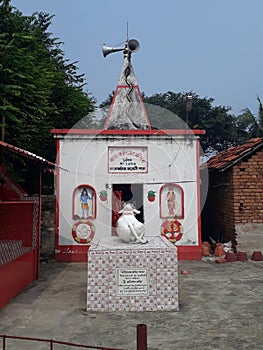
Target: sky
211,47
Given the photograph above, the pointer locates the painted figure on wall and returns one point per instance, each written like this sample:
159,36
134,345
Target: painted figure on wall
84,198
171,201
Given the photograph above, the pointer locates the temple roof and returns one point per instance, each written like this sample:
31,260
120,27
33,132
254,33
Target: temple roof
127,110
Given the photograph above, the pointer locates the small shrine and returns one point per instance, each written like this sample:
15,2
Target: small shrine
127,161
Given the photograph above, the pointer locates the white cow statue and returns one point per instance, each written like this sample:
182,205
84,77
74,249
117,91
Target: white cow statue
129,229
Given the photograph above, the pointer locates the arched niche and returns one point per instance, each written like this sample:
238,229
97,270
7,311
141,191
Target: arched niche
84,205
171,201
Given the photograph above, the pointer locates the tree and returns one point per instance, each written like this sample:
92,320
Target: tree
216,121
39,88
249,125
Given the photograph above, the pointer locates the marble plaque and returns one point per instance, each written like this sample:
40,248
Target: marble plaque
128,159
132,282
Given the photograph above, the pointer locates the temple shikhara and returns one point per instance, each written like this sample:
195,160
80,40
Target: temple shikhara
128,161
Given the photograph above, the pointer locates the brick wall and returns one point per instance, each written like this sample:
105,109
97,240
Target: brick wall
218,213
48,226
227,207
248,190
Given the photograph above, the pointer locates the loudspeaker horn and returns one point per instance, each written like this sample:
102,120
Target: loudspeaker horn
106,50
132,45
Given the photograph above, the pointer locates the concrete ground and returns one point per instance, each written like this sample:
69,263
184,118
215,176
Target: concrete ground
221,308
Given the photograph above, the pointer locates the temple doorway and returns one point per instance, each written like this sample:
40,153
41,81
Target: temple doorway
132,193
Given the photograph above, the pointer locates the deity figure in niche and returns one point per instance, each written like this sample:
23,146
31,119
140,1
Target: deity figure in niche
171,201
84,198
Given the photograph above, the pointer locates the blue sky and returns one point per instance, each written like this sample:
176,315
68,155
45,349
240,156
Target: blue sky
211,47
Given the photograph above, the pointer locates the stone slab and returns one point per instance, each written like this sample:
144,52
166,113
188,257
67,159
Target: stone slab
132,277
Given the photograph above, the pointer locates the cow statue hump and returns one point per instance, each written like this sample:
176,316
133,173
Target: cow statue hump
129,229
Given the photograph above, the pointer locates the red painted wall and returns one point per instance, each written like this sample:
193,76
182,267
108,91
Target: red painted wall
16,275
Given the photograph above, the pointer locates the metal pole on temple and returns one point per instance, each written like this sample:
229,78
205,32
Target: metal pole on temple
141,337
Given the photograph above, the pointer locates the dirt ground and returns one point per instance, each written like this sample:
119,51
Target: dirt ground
250,237
221,308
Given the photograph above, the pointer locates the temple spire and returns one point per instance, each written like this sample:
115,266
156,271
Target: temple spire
127,111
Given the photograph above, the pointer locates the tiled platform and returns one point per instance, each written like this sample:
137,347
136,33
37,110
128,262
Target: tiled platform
132,277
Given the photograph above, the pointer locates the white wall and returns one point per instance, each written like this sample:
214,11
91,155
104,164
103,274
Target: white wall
170,159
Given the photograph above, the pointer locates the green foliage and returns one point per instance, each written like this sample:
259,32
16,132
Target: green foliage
108,100
248,125
39,88
216,121
168,111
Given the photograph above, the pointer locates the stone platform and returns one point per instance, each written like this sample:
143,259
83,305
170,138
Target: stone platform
132,277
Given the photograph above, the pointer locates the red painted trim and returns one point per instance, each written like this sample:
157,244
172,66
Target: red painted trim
126,86
110,110
127,132
198,191
57,193
16,275
160,200
95,199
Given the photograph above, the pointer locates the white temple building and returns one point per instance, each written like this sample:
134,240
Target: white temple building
127,161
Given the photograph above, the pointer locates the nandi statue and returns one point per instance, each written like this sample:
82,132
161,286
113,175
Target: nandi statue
129,229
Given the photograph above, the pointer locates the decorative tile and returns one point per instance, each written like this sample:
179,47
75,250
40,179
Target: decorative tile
92,289
158,258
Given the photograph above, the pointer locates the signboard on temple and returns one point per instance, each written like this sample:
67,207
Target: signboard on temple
128,160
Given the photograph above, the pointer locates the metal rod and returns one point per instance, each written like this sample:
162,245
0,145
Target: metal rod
141,337
52,342
4,338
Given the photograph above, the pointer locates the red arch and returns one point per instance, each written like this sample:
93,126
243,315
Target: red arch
182,199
